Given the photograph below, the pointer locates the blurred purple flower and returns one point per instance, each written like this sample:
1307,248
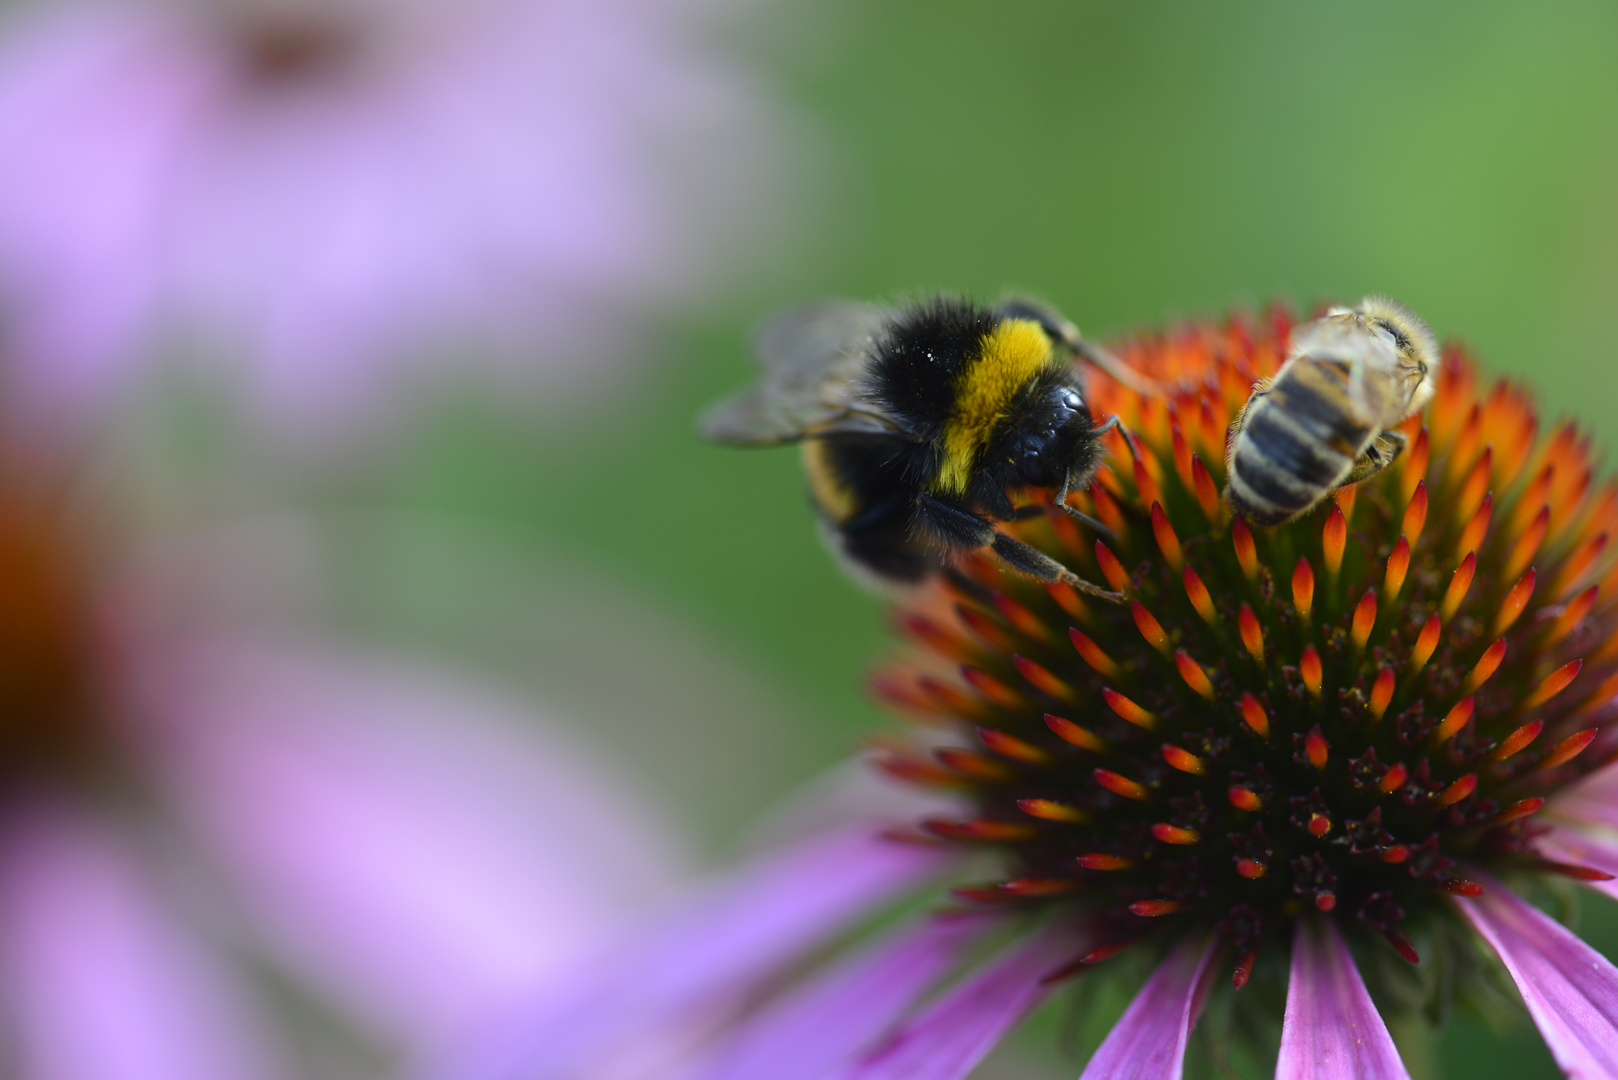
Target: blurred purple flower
336,193
181,789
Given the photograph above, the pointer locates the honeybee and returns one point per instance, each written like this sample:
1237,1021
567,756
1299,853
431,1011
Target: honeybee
920,425
1326,418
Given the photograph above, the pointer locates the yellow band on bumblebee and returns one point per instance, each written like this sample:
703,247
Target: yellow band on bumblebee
1010,355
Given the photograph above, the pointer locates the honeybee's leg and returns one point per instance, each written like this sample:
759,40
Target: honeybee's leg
1382,452
1260,388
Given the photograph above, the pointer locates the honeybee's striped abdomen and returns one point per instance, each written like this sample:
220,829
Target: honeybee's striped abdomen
1296,442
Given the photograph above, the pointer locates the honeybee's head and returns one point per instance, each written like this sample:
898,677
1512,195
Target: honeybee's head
1412,340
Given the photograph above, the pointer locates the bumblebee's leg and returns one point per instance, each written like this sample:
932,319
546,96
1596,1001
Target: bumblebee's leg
1096,356
1033,510
1032,561
955,528
950,526
1382,452
1020,307
1067,485
1080,515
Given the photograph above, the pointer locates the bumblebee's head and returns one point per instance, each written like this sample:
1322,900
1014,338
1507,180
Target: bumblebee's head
1412,340
1016,415
1051,442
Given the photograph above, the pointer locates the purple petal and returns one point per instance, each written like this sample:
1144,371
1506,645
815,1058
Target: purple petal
716,944
97,103
1148,1042
1331,1030
1570,989
1582,847
424,852
1592,801
949,1038
825,1023
498,175
102,980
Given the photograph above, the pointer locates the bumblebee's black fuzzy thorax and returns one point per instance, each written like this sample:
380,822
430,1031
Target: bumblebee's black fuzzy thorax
922,355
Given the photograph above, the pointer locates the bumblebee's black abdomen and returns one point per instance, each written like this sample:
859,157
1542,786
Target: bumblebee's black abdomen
884,547
866,505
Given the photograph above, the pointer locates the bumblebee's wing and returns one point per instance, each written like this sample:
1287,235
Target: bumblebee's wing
813,361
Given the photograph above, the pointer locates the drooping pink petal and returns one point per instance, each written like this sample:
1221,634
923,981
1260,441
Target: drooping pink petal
1592,801
102,980
1332,1031
823,1024
949,1037
1148,1042
711,947
1577,846
1570,989
423,851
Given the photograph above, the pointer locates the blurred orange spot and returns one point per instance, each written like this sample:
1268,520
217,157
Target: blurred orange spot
1416,513
1381,693
1459,583
1252,634
1194,676
1167,541
1364,618
1303,588
1398,566
1333,539
1254,716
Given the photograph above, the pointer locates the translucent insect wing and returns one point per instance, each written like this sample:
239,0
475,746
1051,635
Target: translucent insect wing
813,360
1370,359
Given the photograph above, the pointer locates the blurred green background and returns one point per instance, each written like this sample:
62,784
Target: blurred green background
1132,163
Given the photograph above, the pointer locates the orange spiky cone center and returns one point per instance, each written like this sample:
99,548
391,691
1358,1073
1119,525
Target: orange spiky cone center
1342,714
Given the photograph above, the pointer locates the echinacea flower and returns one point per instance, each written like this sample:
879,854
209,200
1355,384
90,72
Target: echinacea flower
193,800
329,199
1302,775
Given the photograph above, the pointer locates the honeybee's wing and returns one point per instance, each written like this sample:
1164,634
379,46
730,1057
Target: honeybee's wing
1370,359
813,361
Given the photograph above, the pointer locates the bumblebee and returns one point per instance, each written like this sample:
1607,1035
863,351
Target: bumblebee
922,424
1326,418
